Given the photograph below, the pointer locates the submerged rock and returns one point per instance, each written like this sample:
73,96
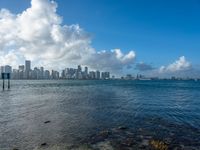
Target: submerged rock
122,128
47,121
43,144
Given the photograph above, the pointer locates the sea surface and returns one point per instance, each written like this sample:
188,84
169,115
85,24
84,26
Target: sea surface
97,114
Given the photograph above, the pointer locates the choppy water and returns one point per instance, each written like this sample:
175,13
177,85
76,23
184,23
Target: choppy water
90,112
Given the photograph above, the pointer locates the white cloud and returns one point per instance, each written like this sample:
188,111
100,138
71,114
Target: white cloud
179,65
112,60
38,34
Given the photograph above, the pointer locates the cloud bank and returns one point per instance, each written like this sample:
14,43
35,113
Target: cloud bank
38,34
179,65
179,68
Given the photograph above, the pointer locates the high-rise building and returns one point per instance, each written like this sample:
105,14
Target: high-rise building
27,69
54,74
21,69
79,68
105,75
41,76
47,74
86,70
92,75
2,69
27,65
97,75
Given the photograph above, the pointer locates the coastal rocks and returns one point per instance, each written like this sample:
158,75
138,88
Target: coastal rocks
128,142
158,145
101,136
104,133
104,146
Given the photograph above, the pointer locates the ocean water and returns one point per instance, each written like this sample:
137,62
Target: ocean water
111,114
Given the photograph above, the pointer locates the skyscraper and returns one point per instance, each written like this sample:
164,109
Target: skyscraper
86,70
27,69
97,74
8,69
27,65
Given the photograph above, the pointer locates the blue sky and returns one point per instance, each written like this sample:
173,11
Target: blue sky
158,31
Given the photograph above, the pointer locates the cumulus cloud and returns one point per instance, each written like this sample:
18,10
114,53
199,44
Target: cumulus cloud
179,65
112,60
143,67
38,34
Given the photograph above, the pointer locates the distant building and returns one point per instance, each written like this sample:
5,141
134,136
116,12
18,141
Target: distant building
25,72
97,75
92,75
54,74
6,69
21,68
129,77
21,72
79,68
46,74
86,70
27,69
15,74
105,75
1,69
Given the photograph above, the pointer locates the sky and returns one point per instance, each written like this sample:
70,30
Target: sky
155,38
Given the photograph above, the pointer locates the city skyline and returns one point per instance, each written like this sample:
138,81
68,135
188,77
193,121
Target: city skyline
26,72
153,38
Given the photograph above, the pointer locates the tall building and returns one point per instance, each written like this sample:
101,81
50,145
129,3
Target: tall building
27,65
105,75
2,69
8,69
27,69
86,70
92,75
21,72
41,74
54,74
21,68
97,75
47,74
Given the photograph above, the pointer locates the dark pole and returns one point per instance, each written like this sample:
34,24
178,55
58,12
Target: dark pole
8,83
8,76
3,84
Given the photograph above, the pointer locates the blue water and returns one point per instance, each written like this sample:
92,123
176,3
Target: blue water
168,111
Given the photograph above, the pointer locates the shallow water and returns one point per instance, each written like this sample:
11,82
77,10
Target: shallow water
79,111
